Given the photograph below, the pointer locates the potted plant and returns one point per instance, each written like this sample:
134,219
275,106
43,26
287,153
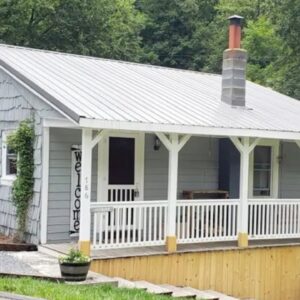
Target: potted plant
74,266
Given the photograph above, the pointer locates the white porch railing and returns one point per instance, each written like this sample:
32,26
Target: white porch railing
206,220
274,218
130,224
124,224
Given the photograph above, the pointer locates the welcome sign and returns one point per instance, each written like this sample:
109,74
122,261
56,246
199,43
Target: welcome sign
75,190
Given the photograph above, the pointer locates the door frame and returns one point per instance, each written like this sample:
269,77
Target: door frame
103,160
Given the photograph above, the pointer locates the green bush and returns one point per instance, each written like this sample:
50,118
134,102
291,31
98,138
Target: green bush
74,256
21,141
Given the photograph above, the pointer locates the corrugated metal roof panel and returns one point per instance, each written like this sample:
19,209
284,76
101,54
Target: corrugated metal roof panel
120,91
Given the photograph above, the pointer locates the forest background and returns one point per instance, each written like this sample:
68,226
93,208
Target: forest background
186,34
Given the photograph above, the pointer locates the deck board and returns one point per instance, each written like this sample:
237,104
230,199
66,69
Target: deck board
63,248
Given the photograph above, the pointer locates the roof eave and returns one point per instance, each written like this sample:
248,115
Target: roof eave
39,92
187,129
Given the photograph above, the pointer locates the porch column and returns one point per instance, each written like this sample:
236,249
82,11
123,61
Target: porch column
174,145
245,148
85,199
172,194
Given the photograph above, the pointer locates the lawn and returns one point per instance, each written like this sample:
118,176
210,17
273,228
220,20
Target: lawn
62,291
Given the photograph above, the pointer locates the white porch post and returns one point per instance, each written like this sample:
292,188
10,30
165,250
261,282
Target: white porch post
172,194
174,145
244,181
245,148
85,199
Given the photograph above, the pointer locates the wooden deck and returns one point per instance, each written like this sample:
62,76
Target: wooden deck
266,270
160,250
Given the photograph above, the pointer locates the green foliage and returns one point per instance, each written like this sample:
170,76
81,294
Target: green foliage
189,34
74,256
22,142
63,291
176,32
264,48
106,28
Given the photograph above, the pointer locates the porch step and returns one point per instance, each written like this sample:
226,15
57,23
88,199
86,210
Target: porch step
178,292
95,279
202,295
124,283
220,295
152,288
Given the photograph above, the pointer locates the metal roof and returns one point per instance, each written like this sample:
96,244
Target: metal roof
95,88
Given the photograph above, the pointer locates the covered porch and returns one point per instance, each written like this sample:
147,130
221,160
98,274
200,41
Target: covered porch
124,217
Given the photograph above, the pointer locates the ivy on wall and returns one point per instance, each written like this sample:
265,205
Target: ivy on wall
22,141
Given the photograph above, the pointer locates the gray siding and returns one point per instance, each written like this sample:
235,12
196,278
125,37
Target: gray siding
289,180
16,104
61,141
198,167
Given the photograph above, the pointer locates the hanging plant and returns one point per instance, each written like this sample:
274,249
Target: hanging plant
21,141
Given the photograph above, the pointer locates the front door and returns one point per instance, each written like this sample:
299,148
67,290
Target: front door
121,168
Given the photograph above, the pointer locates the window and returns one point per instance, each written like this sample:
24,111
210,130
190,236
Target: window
9,162
264,170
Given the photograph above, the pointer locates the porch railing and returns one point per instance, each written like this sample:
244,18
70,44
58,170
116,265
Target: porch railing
130,224
143,223
274,218
206,220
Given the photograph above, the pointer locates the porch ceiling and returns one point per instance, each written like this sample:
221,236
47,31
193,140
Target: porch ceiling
104,93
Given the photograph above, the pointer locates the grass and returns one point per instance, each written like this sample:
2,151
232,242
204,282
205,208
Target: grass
62,291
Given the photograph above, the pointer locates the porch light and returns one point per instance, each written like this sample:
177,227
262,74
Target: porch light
157,143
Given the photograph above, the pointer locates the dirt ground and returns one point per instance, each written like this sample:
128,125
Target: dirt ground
5,239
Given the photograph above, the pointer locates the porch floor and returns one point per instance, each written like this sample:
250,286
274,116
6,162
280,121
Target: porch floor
182,248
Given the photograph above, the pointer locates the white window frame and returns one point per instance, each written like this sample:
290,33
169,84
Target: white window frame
274,184
5,178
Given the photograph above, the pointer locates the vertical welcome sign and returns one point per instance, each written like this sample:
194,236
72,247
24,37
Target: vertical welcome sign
75,190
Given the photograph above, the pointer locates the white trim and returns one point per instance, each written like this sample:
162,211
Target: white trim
102,183
60,123
8,181
5,179
97,139
45,185
274,188
297,143
86,184
188,129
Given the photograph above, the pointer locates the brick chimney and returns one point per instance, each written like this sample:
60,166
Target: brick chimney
234,67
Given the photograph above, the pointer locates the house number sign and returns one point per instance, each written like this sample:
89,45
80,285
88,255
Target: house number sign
75,191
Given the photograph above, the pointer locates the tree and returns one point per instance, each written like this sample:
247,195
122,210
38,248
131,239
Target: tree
176,33
106,28
264,48
286,16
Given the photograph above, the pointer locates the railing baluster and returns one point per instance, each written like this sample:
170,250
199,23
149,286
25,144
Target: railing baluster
197,225
95,229
160,224
155,224
112,226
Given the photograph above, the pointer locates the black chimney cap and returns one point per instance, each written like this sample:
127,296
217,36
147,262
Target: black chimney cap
235,19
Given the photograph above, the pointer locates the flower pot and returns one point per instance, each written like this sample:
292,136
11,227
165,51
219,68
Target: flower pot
74,271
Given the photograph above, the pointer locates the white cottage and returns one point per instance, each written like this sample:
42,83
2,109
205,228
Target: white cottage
130,155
